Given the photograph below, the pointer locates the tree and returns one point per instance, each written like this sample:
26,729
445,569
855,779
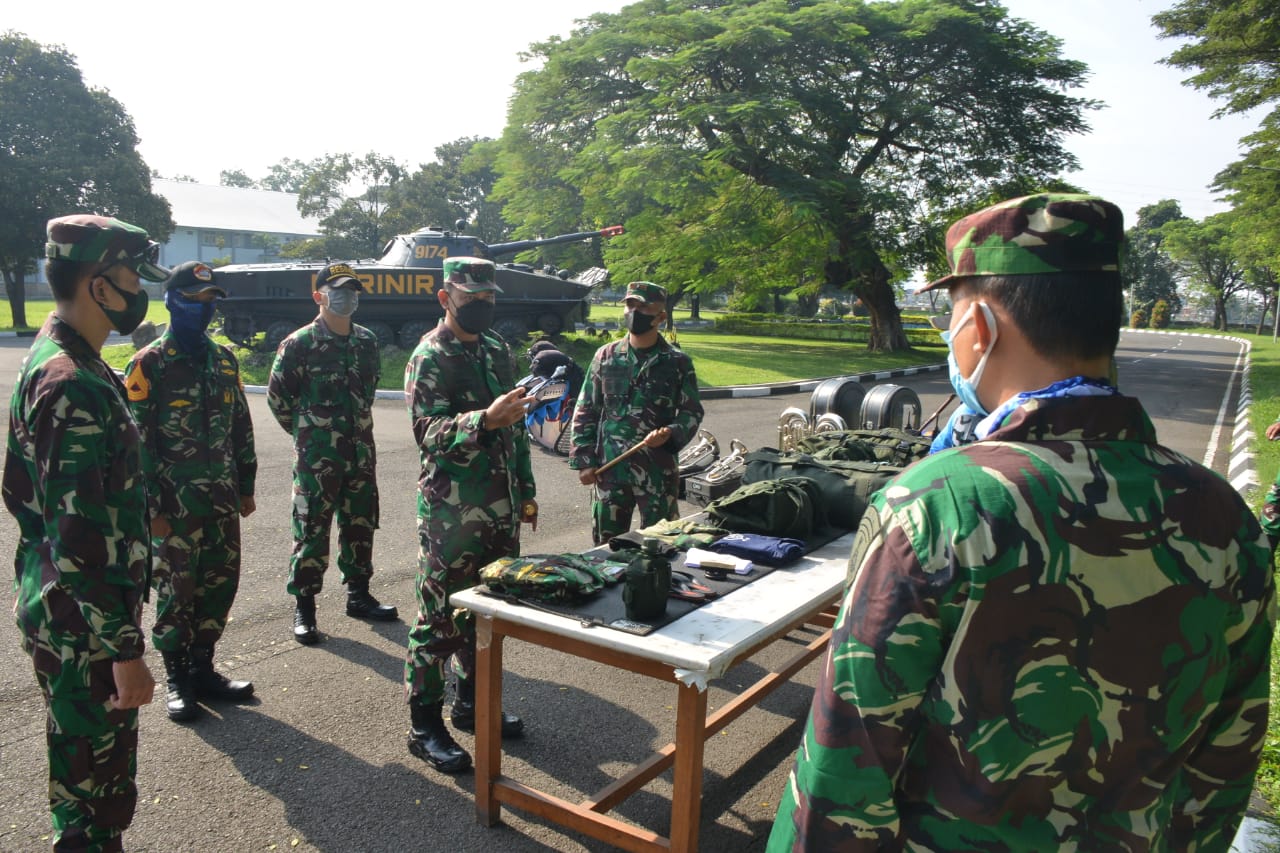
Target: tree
352,225
1205,255
290,176
853,113
1235,45
455,186
64,148
236,178
1149,272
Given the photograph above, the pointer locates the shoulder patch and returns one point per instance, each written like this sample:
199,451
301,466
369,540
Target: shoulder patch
137,385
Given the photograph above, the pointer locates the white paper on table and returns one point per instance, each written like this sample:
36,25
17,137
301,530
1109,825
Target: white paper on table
695,557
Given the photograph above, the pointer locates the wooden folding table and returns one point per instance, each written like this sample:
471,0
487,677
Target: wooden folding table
688,652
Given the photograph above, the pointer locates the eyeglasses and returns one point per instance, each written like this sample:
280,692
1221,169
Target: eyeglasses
464,298
148,254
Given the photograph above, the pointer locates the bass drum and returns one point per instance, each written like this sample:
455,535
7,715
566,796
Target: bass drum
890,406
837,396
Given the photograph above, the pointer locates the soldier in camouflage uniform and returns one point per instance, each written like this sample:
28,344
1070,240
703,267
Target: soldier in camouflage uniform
186,395
637,389
1271,504
475,491
73,481
1055,637
321,391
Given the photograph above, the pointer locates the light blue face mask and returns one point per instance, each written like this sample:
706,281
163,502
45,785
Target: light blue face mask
342,301
967,388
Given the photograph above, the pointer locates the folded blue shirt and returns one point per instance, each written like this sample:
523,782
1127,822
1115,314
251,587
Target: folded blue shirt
766,550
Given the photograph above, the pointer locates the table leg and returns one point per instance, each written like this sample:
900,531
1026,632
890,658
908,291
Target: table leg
686,793
488,720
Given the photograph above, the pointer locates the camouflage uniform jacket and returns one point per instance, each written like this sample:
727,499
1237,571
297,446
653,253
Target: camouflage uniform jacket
447,385
625,397
73,481
321,392
197,435
1056,638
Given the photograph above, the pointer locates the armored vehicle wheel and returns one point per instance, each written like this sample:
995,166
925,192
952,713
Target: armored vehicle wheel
412,332
512,330
550,323
386,337
276,332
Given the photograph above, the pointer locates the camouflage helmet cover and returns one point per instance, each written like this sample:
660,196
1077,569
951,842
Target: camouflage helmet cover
1035,234
646,292
471,275
89,238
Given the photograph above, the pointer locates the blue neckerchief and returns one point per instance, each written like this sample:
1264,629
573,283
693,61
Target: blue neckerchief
962,428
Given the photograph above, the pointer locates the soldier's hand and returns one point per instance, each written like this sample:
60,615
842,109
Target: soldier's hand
247,506
587,476
1273,431
658,437
507,409
529,513
160,527
134,684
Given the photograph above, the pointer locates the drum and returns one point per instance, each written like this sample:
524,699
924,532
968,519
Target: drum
837,396
890,406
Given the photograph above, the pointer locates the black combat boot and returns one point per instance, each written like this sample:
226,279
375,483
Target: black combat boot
304,621
211,684
180,700
431,741
362,605
463,711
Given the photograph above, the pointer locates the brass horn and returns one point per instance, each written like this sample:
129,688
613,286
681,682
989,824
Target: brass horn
793,425
700,455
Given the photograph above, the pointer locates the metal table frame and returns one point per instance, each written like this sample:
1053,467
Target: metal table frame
688,653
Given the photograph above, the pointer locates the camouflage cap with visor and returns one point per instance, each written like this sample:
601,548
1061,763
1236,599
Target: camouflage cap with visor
1035,234
92,239
646,292
337,275
471,275
192,279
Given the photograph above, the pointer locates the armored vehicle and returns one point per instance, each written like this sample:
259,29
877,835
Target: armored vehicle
399,301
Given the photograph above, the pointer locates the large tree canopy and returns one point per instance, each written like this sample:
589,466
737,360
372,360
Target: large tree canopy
1206,256
859,117
1235,45
1149,272
64,148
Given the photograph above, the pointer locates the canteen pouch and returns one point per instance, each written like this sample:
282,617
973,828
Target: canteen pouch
890,444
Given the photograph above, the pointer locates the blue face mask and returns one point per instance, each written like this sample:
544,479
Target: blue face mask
188,319
966,388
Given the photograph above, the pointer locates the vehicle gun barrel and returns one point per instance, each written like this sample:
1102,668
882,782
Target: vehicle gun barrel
499,249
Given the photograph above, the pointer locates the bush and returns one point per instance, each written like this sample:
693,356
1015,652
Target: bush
832,308
1138,320
1160,315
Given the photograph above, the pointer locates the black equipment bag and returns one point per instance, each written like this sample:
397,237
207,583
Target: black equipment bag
846,487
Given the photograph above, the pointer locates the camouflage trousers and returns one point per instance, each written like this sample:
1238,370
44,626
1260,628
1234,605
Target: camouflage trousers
1270,517
320,492
195,575
92,748
450,556
612,508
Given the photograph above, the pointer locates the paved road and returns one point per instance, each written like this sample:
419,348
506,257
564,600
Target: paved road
318,763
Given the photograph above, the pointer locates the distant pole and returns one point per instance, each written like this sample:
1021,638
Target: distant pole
1275,314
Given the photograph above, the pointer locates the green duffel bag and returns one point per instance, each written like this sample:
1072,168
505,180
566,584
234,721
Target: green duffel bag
892,445
787,508
845,487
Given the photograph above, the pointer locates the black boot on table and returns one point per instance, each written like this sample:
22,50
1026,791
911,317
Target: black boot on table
211,684
362,605
463,711
431,741
304,621
180,695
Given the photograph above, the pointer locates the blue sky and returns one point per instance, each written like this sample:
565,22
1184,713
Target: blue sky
239,85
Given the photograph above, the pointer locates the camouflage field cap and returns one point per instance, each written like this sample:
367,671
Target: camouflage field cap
89,238
192,279
1045,233
646,292
337,275
471,275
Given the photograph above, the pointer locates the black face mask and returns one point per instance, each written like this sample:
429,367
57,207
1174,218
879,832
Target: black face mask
637,323
135,308
474,317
